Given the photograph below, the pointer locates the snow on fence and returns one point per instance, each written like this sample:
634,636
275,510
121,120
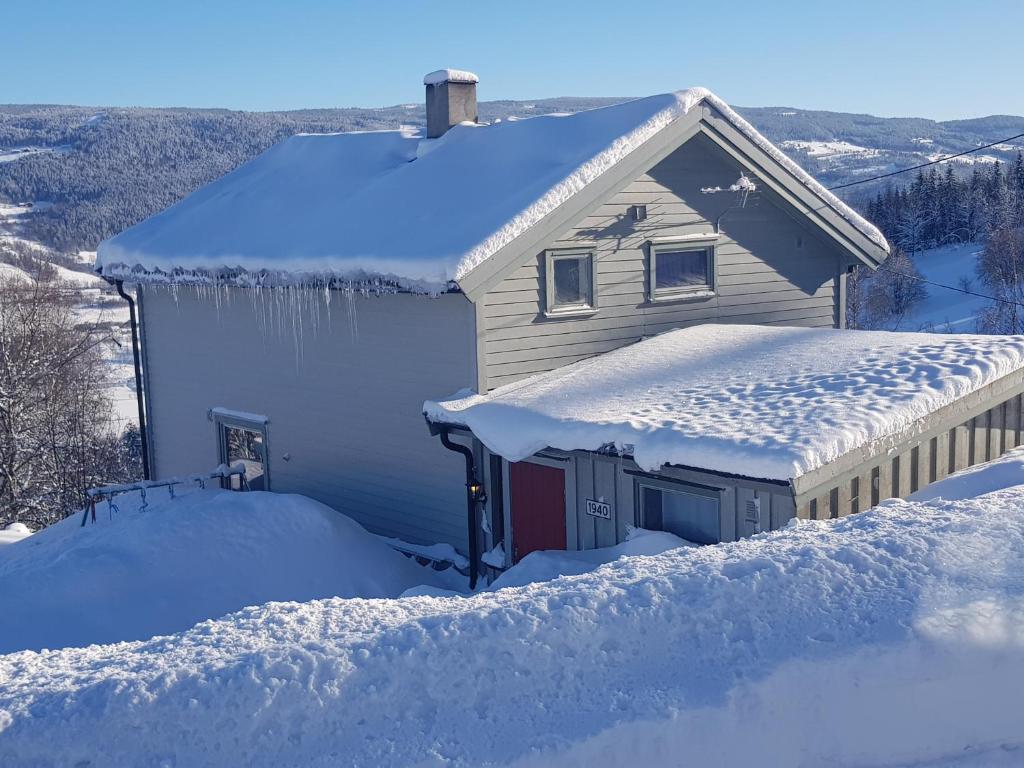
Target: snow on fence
438,556
109,492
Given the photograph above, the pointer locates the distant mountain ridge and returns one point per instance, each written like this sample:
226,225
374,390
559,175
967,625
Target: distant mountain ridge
100,170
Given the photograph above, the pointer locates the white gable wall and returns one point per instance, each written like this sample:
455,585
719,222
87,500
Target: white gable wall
346,408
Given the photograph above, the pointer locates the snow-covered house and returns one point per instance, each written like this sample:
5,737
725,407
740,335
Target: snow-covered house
298,312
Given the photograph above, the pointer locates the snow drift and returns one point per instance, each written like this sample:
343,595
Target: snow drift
887,638
133,574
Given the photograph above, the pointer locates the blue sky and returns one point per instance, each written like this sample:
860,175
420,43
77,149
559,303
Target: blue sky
938,59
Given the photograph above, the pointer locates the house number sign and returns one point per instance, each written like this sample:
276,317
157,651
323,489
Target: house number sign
601,509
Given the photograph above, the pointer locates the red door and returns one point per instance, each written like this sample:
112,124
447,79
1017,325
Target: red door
537,494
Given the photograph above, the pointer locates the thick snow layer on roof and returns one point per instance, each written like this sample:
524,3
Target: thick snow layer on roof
449,75
899,631
135,574
756,401
362,205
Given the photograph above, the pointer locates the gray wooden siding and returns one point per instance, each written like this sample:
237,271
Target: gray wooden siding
345,404
615,480
982,438
770,269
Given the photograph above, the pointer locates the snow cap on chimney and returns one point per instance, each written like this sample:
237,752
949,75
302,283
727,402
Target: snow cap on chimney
451,99
449,76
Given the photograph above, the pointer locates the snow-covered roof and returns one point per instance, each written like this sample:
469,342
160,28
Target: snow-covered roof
758,401
363,205
449,76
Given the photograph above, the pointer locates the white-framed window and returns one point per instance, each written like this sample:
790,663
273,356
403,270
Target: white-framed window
691,512
242,440
570,283
680,270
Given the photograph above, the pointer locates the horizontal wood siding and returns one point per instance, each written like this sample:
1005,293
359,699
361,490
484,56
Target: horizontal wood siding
982,438
344,397
770,269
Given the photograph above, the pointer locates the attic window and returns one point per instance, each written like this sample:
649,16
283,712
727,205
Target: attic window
681,270
569,282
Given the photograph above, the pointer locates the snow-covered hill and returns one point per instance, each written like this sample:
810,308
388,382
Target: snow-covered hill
944,309
97,305
890,638
107,168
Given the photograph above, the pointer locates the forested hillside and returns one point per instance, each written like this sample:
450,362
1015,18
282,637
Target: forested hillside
931,218
99,170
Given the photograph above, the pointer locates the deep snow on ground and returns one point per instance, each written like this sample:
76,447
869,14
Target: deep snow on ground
894,637
14,532
945,310
1004,472
135,574
545,565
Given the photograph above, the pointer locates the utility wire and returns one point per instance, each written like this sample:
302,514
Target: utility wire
883,268
924,165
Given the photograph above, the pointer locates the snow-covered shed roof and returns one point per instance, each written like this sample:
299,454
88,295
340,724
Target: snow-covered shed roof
389,204
758,401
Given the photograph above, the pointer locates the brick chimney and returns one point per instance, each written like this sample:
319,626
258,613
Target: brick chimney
451,99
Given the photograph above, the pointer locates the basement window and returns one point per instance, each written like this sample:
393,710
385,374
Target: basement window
688,511
570,283
681,270
243,441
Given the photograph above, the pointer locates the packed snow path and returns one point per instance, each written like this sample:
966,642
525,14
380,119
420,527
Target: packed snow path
889,638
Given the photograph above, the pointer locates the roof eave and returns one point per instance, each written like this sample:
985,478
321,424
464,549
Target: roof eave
491,271
794,191
702,118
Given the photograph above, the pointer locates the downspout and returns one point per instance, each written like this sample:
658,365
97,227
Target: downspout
139,394
473,495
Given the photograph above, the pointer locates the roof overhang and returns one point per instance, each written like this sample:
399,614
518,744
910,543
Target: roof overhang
704,119
791,189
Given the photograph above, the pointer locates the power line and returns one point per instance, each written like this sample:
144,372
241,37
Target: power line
925,165
882,268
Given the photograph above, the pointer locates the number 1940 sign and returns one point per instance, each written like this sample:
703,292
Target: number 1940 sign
601,509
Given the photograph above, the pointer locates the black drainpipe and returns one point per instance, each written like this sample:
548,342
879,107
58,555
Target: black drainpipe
119,284
473,495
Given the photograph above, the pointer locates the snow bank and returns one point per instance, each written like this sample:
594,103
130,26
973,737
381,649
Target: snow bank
545,565
367,206
133,574
1004,472
757,401
14,532
887,638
